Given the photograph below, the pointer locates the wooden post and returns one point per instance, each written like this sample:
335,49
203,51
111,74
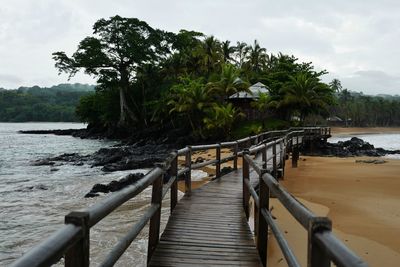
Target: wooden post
283,157
246,176
295,153
264,157
78,254
154,228
235,154
317,257
173,172
218,164
274,165
256,216
262,238
188,175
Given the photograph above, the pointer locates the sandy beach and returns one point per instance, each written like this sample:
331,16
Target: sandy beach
352,131
362,200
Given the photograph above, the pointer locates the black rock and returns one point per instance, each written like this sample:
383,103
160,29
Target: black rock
353,147
114,185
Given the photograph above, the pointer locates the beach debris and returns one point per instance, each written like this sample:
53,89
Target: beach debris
371,161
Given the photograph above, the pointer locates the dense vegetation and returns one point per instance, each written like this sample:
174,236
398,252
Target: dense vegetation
150,78
357,109
56,103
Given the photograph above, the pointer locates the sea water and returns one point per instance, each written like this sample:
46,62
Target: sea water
385,141
35,199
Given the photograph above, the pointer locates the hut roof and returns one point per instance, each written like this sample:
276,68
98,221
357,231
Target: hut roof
254,93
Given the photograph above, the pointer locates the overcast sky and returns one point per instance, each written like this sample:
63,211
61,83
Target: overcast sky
355,41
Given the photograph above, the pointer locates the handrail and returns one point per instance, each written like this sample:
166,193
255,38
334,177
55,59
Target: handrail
52,249
323,245
72,240
104,207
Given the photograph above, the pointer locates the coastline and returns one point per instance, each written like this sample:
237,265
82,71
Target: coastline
351,131
360,199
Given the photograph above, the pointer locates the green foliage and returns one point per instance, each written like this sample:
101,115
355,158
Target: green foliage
190,99
117,52
306,95
221,118
358,110
42,104
246,128
149,77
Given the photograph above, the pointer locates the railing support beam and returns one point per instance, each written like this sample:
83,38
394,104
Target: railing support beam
246,176
317,257
188,175
218,164
78,254
173,172
262,238
154,228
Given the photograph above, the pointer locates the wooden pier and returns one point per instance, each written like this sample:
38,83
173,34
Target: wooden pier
209,225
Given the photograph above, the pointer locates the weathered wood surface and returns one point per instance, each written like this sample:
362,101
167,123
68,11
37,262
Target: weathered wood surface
209,228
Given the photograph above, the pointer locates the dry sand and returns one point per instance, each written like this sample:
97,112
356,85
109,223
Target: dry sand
210,170
363,201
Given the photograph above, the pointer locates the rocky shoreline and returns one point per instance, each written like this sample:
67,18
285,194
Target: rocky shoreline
138,152
355,147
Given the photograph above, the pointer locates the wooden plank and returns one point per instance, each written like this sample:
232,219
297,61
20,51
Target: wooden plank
209,228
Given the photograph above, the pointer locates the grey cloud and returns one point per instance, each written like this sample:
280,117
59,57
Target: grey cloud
7,81
373,82
344,37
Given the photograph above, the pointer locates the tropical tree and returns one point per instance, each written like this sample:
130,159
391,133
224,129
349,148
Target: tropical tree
262,104
228,82
256,57
114,54
221,117
336,85
190,99
209,54
227,51
241,50
306,95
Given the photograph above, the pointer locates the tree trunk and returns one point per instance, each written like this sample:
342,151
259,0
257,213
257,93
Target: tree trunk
125,110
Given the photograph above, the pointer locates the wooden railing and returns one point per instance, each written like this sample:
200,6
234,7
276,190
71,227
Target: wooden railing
323,246
72,240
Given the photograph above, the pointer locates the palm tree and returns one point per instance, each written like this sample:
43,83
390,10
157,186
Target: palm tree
227,51
256,57
262,104
190,98
241,53
209,54
305,94
228,83
336,85
222,117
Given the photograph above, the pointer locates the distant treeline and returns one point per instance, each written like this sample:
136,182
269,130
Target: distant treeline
357,109
36,103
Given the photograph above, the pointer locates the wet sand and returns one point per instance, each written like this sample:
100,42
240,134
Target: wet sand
343,131
363,201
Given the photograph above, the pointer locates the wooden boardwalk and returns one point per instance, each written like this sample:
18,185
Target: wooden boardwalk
209,228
